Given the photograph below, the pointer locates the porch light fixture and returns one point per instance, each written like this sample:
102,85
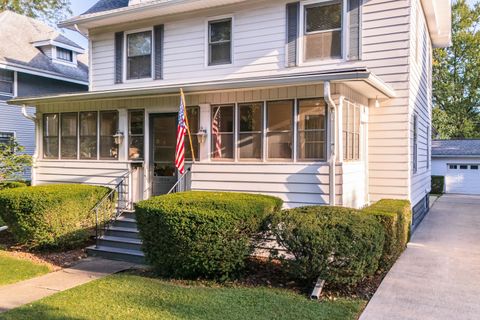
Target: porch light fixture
202,136
377,103
118,136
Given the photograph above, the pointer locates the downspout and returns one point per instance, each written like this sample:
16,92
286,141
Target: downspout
333,160
35,154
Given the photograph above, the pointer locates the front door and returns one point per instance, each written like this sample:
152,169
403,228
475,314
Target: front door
163,130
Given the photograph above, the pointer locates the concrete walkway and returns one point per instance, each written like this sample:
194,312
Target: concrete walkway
20,293
438,276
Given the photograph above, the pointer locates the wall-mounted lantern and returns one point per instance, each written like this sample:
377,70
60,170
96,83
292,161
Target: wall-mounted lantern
118,138
202,136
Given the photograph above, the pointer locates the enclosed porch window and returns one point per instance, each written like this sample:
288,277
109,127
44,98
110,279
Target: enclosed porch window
351,132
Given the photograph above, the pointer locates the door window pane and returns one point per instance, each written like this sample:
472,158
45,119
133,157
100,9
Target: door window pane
108,128
50,136
220,42
222,132
88,135
136,134
351,131
312,129
323,31
139,55
69,135
279,130
250,131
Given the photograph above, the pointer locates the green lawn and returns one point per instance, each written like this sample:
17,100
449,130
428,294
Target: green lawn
14,269
129,296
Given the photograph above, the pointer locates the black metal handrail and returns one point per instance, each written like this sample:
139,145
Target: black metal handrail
121,206
177,187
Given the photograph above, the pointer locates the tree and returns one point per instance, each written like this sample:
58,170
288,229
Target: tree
46,10
456,77
13,161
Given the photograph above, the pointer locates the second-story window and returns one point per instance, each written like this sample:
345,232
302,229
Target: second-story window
64,54
220,42
323,31
139,55
6,82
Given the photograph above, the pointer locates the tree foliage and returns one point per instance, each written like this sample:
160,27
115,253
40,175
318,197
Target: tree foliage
13,161
456,77
47,10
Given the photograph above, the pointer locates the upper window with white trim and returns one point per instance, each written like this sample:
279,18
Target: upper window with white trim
64,54
220,42
139,55
7,79
323,23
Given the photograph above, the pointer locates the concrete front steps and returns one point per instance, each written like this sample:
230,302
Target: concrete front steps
121,241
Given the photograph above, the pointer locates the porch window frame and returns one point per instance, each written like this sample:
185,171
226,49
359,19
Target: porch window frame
130,135
262,133
100,136
302,61
97,136
194,135
356,132
44,137
221,133
294,138
60,135
298,131
126,79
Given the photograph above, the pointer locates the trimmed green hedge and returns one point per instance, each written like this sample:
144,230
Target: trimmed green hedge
202,234
52,216
11,185
340,245
396,218
438,185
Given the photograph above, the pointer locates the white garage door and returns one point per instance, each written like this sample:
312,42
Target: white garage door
463,178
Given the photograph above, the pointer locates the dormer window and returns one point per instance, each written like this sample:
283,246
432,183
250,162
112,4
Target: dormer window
64,54
139,55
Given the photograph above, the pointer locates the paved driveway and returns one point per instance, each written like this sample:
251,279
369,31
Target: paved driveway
438,276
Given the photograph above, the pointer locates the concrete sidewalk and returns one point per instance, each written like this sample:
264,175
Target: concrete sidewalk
438,276
18,294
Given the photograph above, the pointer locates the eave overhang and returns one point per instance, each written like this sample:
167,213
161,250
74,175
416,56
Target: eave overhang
360,80
148,10
438,14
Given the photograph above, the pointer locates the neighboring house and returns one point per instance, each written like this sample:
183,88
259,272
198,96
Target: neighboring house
316,102
459,162
34,60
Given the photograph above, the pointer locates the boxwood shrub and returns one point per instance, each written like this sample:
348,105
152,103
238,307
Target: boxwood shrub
11,184
396,218
438,184
202,234
51,216
341,246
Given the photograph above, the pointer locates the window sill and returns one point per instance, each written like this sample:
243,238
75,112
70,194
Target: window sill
313,63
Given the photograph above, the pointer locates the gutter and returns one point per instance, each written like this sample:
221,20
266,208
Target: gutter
333,157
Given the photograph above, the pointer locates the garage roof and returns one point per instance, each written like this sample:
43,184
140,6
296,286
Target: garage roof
455,148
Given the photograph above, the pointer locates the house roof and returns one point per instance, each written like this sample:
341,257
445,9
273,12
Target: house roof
20,37
106,5
455,148
360,79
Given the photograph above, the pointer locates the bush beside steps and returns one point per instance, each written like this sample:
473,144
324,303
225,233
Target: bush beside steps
202,234
52,216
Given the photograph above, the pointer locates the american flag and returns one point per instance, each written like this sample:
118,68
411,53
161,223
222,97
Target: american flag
181,132
216,133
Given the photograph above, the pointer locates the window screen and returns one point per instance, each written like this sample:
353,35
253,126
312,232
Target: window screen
139,55
220,42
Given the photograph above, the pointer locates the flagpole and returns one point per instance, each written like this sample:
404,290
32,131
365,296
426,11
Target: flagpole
188,125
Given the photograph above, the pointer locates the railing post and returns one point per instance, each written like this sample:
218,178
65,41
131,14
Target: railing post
96,227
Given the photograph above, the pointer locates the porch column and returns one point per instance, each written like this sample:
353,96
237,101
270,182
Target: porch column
205,124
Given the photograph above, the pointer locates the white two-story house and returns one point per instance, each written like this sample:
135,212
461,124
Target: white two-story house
318,102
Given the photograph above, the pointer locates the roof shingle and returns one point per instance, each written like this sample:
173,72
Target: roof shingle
107,5
456,148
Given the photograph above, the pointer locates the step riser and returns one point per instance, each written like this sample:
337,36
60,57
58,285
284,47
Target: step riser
121,245
129,215
125,224
116,256
122,234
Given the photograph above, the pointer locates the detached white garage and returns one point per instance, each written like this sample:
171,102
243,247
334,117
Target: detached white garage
459,162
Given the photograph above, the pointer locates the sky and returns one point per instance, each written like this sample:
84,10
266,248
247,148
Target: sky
80,6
